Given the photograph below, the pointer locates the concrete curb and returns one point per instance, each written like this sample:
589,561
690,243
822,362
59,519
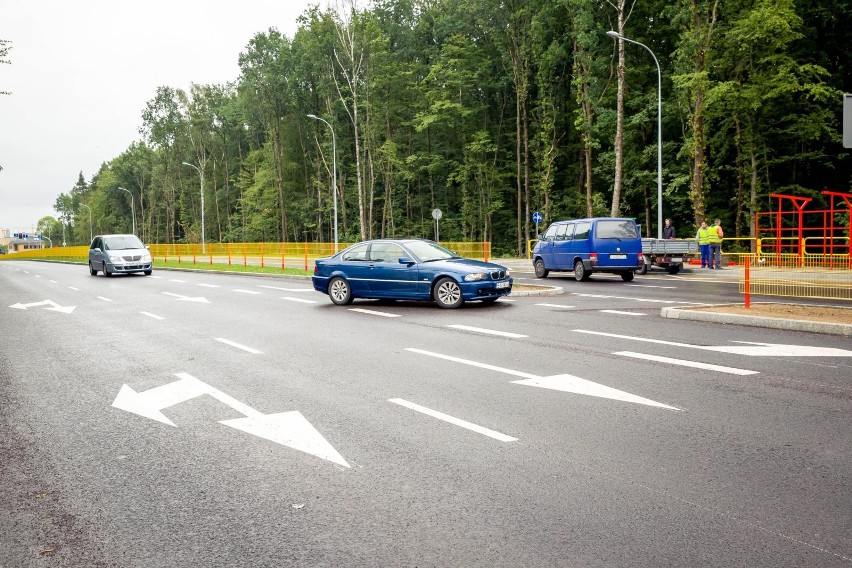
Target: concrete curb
545,291
841,329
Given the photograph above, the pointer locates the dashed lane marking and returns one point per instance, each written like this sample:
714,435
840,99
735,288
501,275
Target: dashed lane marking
154,316
251,350
488,331
622,313
453,420
374,313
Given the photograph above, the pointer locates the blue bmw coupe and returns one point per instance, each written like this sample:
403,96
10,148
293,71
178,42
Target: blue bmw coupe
409,269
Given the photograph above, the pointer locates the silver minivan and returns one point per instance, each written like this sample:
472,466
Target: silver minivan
113,254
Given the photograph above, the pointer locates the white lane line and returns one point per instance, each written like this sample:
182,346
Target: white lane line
453,420
487,331
554,306
652,286
287,289
684,363
474,363
156,277
374,313
301,300
38,275
104,299
150,315
54,281
645,339
209,285
175,280
73,288
246,291
622,313
637,299
238,346
505,299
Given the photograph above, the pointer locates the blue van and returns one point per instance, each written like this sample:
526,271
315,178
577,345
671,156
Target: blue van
600,244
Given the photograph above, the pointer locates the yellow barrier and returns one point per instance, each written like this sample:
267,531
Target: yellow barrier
795,276
281,255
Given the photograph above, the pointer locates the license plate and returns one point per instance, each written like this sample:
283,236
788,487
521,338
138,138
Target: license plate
675,259
502,285
618,256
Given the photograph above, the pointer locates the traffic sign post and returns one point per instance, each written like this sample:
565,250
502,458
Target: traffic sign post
537,217
436,215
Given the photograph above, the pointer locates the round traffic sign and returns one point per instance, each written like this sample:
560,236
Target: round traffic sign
437,214
537,217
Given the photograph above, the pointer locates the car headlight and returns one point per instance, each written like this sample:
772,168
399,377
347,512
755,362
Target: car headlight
475,277
114,259
146,258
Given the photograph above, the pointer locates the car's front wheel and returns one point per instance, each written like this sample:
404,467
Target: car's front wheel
540,270
92,270
447,293
339,291
107,273
147,272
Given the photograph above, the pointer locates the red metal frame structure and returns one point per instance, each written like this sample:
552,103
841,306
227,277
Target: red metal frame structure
828,233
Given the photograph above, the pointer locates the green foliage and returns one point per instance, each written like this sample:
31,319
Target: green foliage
477,107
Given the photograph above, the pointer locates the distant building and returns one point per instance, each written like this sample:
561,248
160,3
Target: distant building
15,244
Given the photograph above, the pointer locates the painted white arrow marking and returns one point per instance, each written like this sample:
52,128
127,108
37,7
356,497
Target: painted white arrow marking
750,348
199,299
289,429
570,383
567,383
54,306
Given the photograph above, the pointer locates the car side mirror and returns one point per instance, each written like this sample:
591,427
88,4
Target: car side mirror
405,260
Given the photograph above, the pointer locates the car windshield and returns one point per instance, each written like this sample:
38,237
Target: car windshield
617,230
123,242
428,251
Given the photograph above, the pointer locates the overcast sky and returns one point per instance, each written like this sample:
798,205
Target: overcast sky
83,70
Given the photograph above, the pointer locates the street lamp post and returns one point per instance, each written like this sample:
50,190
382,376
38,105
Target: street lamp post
616,35
90,221
132,207
333,172
201,177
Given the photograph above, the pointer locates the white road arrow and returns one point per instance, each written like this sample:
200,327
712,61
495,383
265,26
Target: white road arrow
55,307
746,347
199,299
565,383
289,429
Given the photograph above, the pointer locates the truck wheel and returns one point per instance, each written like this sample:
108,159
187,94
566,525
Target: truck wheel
540,270
580,272
642,269
673,268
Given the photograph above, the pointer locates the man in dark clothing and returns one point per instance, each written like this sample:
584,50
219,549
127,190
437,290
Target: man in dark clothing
668,230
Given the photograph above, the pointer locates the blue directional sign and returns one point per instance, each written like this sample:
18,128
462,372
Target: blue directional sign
537,217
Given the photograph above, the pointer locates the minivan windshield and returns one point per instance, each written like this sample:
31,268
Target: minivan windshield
122,242
616,229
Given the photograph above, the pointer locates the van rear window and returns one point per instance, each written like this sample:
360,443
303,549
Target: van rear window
612,229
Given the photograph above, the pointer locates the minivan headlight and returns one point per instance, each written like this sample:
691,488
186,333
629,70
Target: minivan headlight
146,257
475,277
114,258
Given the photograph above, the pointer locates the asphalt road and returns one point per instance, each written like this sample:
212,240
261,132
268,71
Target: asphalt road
272,428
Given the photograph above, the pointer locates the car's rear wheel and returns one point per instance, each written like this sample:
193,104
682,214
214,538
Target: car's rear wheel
92,270
540,270
673,268
627,276
447,293
339,291
580,272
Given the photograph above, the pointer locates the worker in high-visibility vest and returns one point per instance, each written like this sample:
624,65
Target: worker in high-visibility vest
703,238
715,235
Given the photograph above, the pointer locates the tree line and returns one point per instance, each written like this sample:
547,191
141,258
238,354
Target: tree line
488,110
